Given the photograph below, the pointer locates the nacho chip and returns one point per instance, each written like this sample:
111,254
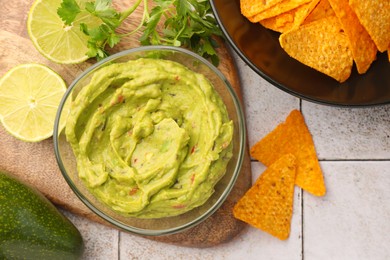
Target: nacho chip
250,8
363,48
291,19
322,10
321,45
374,15
293,137
282,7
280,23
268,204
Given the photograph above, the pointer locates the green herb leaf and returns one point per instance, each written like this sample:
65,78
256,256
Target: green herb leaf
182,7
68,11
113,39
103,10
188,23
191,25
150,35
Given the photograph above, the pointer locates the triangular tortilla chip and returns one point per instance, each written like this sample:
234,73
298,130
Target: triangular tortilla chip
374,15
321,45
362,46
280,23
291,19
322,10
268,204
293,137
250,8
282,7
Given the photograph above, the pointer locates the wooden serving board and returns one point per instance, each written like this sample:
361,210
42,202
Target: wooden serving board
35,163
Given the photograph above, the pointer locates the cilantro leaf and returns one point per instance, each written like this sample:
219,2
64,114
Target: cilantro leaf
103,10
182,7
150,35
187,23
190,25
113,39
68,11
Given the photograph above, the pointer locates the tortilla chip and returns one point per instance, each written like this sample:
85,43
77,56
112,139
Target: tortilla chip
322,10
268,204
280,23
293,137
363,48
374,15
282,7
291,19
250,8
321,45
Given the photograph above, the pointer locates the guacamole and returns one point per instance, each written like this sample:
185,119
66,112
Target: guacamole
151,137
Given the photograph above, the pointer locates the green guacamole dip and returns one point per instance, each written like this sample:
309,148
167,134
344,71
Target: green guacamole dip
151,137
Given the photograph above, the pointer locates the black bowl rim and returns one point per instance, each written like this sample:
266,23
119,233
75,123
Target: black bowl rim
273,81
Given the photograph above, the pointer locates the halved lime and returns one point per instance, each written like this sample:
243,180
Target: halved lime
29,98
53,38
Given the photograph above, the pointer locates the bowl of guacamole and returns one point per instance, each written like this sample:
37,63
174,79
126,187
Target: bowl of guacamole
153,141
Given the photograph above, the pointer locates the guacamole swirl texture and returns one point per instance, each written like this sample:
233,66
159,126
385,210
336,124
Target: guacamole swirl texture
151,137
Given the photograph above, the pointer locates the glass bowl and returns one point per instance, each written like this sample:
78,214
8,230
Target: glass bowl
166,225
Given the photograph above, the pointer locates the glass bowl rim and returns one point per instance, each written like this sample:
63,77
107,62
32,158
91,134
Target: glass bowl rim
232,181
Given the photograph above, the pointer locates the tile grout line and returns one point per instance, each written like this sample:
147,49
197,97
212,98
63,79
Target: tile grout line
302,228
300,105
354,160
119,245
344,160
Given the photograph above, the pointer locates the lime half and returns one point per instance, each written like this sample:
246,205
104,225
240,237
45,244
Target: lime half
53,38
29,96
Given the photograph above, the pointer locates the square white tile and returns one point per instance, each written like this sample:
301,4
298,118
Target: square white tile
352,221
349,133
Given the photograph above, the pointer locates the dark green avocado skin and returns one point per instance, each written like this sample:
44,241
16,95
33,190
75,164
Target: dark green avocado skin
31,227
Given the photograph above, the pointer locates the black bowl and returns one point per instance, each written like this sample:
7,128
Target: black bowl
260,49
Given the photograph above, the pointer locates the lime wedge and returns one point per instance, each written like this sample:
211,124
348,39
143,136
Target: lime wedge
29,98
53,38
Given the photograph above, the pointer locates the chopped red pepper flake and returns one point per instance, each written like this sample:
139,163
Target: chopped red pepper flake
133,191
120,98
193,149
177,77
192,178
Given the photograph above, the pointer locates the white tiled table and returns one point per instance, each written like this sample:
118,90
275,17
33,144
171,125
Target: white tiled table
351,222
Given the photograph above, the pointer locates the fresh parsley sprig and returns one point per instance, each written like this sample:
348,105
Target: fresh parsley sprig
186,23
103,34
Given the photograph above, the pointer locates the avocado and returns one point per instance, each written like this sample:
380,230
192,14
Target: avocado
31,227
